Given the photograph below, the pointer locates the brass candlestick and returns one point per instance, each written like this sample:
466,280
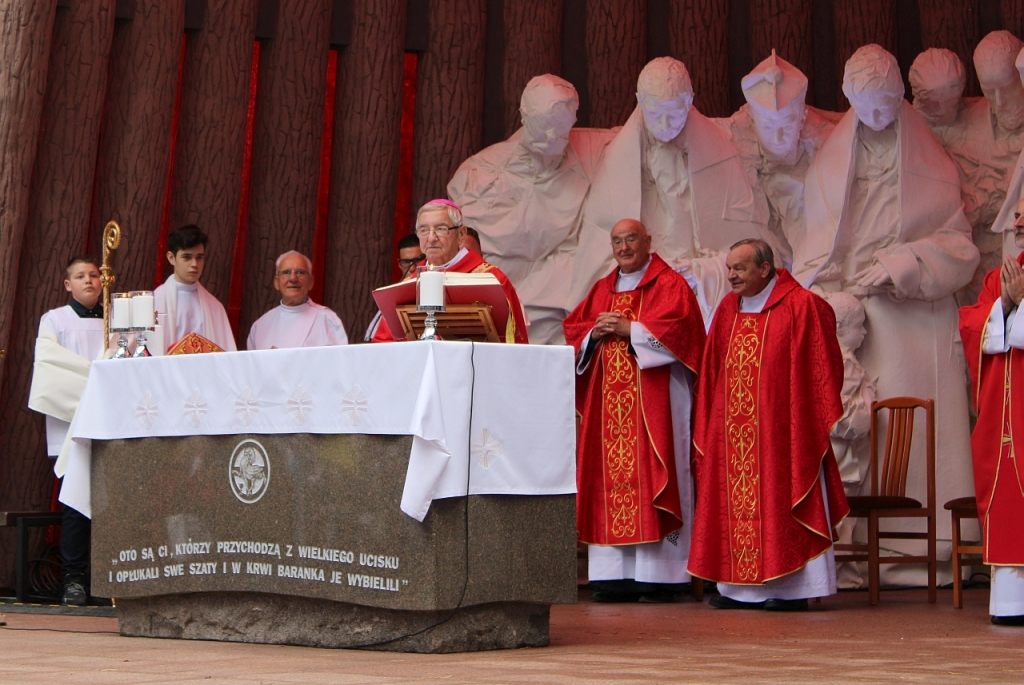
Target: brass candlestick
111,241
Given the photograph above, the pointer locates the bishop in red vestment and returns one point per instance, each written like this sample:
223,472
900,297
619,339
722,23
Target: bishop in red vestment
994,344
639,337
440,230
769,494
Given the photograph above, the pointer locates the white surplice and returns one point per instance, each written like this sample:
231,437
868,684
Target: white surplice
82,337
305,325
192,309
664,561
818,577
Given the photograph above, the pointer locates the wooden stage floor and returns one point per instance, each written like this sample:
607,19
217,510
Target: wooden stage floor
840,640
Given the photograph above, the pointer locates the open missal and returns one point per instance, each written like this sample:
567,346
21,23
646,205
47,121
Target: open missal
475,303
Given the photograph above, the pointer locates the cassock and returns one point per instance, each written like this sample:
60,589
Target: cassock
469,262
769,494
528,213
634,490
70,338
995,355
892,197
305,325
192,309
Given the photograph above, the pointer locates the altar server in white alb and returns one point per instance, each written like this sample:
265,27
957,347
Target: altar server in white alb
297,321
70,338
182,302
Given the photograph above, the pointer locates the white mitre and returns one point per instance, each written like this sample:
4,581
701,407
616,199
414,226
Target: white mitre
774,85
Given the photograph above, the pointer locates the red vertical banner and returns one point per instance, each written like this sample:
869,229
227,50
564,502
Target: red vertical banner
238,258
403,207
161,245
323,191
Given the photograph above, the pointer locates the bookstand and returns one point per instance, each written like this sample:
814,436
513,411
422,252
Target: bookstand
457,322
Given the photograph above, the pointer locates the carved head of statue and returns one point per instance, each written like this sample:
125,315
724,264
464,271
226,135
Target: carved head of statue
665,94
548,110
775,91
849,319
1000,82
937,80
874,87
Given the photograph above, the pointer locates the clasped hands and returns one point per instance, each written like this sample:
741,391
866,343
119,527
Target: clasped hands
874,276
610,323
1011,278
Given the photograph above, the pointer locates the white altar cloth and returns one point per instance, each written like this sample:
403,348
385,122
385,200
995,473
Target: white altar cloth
505,412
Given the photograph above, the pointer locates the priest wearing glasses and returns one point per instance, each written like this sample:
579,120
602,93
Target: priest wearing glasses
440,230
297,321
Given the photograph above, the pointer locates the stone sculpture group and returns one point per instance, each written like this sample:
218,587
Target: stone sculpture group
892,212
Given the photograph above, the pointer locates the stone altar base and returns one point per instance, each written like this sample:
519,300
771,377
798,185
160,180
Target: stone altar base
279,619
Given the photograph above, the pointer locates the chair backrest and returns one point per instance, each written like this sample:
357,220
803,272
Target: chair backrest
891,478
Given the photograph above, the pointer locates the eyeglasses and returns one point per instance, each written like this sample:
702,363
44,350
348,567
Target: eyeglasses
630,239
405,263
439,231
288,272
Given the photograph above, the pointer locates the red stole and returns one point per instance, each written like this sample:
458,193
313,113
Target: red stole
627,490
474,263
768,398
998,384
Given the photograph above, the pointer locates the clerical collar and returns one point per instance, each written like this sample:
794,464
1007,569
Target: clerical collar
754,305
296,308
186,286
86,313
454,260
632,280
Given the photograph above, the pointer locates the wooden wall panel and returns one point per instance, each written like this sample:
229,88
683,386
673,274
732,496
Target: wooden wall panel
25,31
952,24
616,53
135,146
207,183
699,35
533,46
286,148
57,228
1012,13
858,23
364,165
449,96
786,26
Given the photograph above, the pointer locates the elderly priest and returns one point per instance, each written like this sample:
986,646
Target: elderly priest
639,337
440,230
993,335
769,494
297,321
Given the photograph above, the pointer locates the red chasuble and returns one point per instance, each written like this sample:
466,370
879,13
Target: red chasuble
473,263
627,492
998,384
769,396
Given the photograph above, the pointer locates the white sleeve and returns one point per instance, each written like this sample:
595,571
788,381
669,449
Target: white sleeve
995,338
649,352
1015,336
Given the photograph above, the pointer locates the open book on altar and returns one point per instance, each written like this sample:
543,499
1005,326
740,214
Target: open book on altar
475,303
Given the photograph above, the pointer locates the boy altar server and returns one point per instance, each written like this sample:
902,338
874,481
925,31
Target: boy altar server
190,308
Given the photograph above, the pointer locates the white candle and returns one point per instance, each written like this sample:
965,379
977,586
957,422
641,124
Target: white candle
155,341
142,310
121,317
431,288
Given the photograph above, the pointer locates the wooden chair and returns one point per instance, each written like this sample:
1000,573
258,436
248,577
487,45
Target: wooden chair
959,509
888,498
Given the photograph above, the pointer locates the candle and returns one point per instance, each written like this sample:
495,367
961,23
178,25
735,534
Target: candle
431,289
121,317
142,309
155,341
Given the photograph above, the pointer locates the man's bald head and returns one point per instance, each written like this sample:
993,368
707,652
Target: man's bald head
631,245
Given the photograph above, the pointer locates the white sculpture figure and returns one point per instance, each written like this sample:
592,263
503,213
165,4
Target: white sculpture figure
524,196
777,136
672,169
884,222
983,136
1002,227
